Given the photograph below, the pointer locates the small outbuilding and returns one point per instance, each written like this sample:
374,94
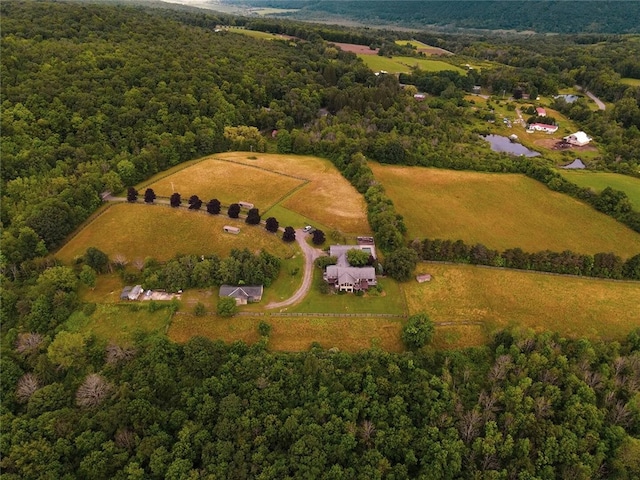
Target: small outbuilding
543,127
230,229
578,139
135,292
541,112
246,205
125,293
423,278
242,294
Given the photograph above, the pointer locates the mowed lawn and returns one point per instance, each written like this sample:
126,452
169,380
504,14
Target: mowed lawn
500,211
328,198
229,182
500,298
293,334
405,64
598,181
138,231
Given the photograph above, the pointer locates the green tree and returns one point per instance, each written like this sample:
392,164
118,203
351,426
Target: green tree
401,263
67,349
418,331
88,276
227,307
96,259
199,310
234,210
253,216
357,257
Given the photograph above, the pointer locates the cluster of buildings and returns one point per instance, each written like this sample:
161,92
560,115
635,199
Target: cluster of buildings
346,278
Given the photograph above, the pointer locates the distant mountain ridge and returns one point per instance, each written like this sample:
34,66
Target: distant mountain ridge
541,16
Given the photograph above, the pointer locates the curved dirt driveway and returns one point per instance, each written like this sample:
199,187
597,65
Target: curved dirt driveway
310,254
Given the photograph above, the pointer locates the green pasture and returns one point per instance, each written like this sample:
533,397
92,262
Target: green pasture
598,181
634,82
501,298
254,33
405,64
500,211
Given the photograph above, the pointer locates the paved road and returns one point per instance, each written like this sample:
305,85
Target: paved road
310,254
598,102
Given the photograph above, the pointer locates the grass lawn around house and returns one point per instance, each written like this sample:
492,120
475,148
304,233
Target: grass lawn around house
405,64
598,181
293,334
500,211
138,231
502,298
119,323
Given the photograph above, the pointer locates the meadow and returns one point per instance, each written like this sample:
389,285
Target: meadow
501,298
294,334
327,198
405,64
598,181
634,82
500,211
423,47
138,231
229,182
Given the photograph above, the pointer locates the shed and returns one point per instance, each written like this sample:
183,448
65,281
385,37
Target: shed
579,139
541,112
230,229
135,292
246,205
125,293
423,278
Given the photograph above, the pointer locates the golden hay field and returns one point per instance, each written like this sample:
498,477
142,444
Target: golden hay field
500,211
501,298
328,198
229,182
138,231
294,334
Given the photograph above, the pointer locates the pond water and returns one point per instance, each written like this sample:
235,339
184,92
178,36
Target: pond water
504,144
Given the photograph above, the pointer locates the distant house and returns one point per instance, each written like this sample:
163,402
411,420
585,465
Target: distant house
578,139
246,205
476,89
346,278
419,96
230,229
423,278
243,294
543,127
131,293
541,112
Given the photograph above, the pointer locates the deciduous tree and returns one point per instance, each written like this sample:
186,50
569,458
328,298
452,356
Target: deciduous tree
149,195
289,234
233,210
194,202
227,307
253,216
318,237
213,207
418,331
175,200
132,195
272,225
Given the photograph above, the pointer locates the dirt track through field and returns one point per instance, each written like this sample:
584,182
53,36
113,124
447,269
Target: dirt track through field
310,254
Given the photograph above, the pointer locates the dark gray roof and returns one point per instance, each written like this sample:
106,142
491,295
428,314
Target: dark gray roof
241,291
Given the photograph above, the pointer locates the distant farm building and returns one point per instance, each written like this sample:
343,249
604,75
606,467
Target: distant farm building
246,205
242,294
578,139
230,229
577,164
419,96
541,112
423,278
543,127
131,293
476,89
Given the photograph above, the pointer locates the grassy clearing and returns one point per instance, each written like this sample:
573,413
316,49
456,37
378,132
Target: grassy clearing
328,199
119,323
228,182
140,231
107,290
634,82
598,181
500,211
405,64
575,307
287,217
459,336
254,33
292,334
390,301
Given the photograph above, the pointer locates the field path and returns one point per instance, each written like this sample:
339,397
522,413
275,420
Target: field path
310,254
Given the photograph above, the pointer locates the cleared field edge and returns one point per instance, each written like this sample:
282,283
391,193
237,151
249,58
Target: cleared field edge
395,180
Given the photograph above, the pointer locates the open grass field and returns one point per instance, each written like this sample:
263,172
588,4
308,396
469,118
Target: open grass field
229,182
293,334
634,82
256,33
576,307
423,47
328,198
500,211
140,231
405,64
119,323
598,181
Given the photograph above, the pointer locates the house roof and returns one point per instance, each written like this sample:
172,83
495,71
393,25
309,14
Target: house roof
541,111
544,126
579,137
350,274
244,291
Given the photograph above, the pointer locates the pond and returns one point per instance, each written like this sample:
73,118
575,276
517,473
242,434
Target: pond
504,144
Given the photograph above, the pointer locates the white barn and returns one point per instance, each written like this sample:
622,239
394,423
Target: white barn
579,139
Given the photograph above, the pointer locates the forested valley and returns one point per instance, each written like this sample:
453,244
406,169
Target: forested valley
100,97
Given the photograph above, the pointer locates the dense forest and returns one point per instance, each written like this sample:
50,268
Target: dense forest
101,97
538,16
